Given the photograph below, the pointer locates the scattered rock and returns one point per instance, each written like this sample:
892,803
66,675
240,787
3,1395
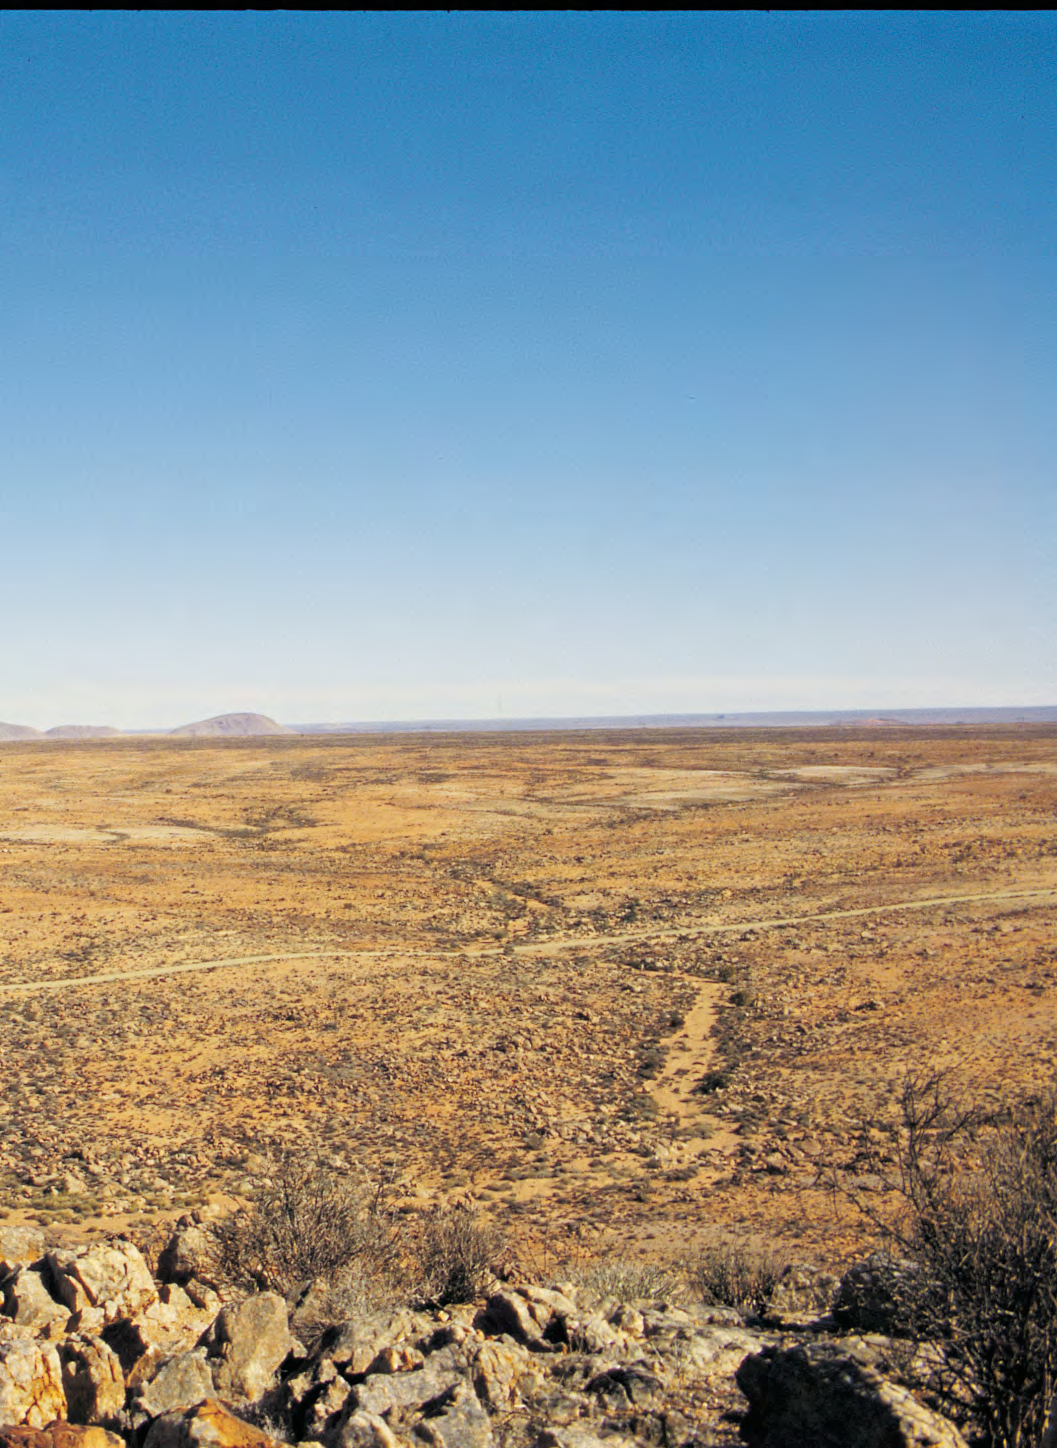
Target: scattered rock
178,1384
868,1297
59,1435
802,1296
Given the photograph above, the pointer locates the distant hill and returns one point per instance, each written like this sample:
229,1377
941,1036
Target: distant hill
18,731
232,726
82,731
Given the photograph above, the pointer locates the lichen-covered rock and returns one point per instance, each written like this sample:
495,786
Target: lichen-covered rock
246,1345
457,1420
386,1393
110,1275
93,1382
31,1391
179,1383
354,1345
818,1394
872,1296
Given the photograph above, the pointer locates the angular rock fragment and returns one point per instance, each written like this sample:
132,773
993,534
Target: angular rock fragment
111,1275
27,1301
60,1435
179,1383
246,1345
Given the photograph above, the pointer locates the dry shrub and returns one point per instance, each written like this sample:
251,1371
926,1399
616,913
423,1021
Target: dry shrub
735,1275
979,1224
458,1253
630,1281
309,1224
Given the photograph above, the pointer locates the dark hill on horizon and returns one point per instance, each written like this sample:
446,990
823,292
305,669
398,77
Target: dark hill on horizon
231,726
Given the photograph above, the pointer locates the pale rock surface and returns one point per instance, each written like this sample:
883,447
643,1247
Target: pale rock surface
60,1435
19,1247
247,1343
28,1302
31,1390
179,1383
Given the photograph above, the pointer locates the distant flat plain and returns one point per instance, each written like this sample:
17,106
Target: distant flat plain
643,986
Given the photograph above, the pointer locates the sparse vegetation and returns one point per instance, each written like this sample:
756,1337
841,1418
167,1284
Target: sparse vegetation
735,1275
309,1224
459,1253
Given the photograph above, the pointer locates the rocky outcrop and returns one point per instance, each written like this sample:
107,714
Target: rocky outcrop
87,1336
28,1302
93,1381
19,1247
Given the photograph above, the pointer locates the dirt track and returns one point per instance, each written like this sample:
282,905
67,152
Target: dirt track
550,946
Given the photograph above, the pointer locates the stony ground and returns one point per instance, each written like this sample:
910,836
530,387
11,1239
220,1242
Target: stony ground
539,971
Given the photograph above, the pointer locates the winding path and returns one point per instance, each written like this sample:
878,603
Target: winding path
535,947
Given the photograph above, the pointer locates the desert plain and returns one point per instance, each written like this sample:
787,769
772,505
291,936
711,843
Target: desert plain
626,992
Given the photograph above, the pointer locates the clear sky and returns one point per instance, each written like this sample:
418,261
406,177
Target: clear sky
447,365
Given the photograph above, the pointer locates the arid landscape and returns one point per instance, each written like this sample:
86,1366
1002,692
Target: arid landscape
622,989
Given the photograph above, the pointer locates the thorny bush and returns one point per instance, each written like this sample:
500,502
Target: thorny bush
978,1222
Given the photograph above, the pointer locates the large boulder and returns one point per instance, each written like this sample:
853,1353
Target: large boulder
818,1395
31,1391
354,1345
109,1275
93,1381
246,1345
206,1425
28,1302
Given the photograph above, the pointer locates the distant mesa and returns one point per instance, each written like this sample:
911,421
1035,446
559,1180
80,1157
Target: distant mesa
18,731
232,726
82,731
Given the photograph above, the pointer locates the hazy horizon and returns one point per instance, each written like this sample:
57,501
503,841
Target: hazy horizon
553,364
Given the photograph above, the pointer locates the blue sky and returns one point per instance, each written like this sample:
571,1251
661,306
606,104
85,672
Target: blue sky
423,366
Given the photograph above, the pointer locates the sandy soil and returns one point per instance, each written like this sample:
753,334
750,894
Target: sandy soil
639,988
